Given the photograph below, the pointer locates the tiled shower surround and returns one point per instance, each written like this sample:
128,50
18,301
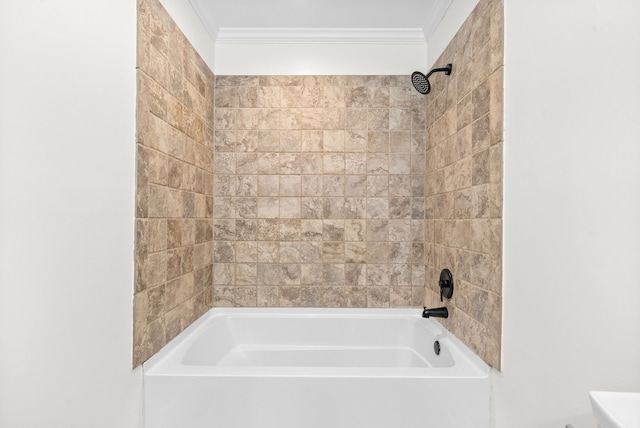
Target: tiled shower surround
319,191
334,191
174,197
464,181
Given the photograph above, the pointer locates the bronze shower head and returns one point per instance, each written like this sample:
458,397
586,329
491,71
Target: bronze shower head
421,82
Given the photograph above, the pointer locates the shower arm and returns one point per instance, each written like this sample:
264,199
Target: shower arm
447,70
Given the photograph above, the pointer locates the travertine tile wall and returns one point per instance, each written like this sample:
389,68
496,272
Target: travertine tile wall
463,186
319,191
329,190
174,195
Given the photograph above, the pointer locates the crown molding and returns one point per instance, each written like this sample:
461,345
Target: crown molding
321,35
435,16
205,17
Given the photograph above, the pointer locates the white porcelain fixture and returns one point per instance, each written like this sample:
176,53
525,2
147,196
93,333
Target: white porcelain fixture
315,368
616,409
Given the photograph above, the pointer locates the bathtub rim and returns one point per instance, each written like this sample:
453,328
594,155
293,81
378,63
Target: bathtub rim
167,361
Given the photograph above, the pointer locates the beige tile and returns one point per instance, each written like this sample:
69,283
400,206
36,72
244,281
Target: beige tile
400,252
246,251
312,230
290,274
355,185
333,207
401,164
312,141
399,185
301,96
311,273
333,185
355,252
290,208
481,168
356,96
354,230
268,296
289,296
377,252
290,141
377,275
246,163
333,274
333,118
333,230
226,97
333,252
399,230
310,252
268,185
334,163
356,119
377,230
378,297
311,208
354,208
378,163
333,141
302,118
356,274
290,252
268,141
290,163
377,185
224,229
377,208
333,96
290,229
401,208
496,105
290,185
378,96
246,141
268,251
243,207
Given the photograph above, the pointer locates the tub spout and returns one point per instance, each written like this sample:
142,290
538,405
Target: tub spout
435,312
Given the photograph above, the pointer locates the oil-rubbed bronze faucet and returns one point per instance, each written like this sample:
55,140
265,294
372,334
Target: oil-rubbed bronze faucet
435,312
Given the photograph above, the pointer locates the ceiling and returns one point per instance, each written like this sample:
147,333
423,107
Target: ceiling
324,20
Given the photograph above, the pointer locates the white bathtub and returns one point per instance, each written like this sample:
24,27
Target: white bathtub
315,368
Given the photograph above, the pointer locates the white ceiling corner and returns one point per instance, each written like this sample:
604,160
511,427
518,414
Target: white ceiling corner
434,17
321,35
320,21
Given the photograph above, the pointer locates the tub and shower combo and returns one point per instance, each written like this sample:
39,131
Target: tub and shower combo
316,368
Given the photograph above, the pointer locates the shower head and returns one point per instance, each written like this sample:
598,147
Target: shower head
421,82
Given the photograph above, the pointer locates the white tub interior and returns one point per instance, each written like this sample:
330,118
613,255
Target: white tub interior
322,356
345,367
302,340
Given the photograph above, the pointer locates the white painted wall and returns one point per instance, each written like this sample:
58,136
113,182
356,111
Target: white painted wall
572,212
451,22
190,24
338,58
571,315
67,132
319,59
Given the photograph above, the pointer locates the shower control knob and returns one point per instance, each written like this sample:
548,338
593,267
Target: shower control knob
446,284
